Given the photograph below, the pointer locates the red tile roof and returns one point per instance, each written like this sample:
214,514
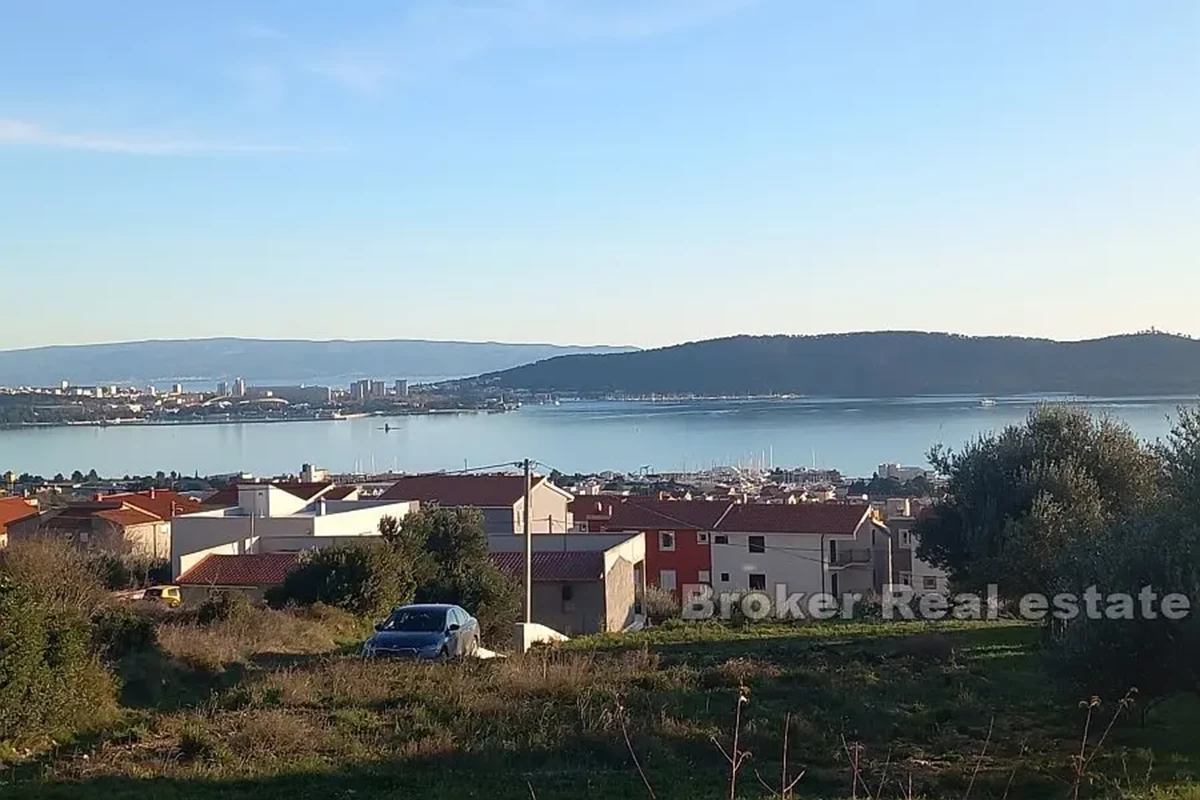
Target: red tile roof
14,509
641,513
128,516
556,567
164,503
593,505
830,518
228,496
80,516
339,492
482,491
258,569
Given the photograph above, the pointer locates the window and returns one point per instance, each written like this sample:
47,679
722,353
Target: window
704,576
833,552
833,585
724,577
666,579
758,582
758,544
720,538
666,540
929,583
568,593
906,578
905,538
84,536
701,537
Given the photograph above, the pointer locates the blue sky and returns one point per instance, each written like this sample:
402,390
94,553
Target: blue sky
622,171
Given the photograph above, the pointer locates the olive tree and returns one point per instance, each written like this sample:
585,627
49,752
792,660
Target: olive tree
1016,499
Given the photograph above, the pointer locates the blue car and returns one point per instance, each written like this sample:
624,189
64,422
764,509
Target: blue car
426,632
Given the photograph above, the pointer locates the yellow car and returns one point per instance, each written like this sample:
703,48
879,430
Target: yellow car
167,595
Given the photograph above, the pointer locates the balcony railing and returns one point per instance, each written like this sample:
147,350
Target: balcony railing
846,558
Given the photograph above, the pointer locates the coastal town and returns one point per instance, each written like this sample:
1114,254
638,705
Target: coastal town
597,541
568,399
228,401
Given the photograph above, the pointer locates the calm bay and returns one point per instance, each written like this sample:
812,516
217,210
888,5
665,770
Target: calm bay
853,436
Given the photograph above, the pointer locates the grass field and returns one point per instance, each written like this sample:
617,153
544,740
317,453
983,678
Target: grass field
951,710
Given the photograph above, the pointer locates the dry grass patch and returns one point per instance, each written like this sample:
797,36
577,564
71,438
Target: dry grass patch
741,670
281,734
258,631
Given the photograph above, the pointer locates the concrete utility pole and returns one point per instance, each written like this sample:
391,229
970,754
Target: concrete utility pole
528,544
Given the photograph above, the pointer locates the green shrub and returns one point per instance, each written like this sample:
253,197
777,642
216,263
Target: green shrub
120,630
449,548
51,683
365,579
119,572
198,743
1159,657
223,606
114,571
1158,548
55,574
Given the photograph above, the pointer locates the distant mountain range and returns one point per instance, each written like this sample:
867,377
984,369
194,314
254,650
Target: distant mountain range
268,361
886,364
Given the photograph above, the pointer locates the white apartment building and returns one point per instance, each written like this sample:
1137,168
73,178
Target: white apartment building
803,547
267,518
901,472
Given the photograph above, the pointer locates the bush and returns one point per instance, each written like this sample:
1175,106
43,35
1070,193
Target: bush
55,574
51,683
198,743
448,548
1157,656
364,579
1157,548
660,605
223,606
121,631
119,572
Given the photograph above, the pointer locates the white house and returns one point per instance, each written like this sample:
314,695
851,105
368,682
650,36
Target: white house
271,519
804,547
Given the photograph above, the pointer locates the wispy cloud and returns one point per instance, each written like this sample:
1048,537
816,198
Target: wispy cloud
21,133
435,35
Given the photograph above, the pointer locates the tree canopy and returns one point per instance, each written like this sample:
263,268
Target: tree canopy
1016,499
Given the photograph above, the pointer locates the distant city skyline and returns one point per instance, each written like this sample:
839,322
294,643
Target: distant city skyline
628,172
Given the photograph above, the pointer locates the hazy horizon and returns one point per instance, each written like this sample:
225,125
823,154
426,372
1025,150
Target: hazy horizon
546,343
640,171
